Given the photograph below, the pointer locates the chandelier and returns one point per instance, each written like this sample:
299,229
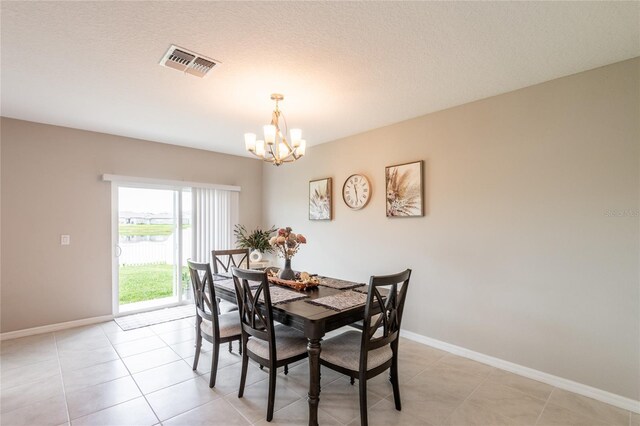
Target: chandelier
275,148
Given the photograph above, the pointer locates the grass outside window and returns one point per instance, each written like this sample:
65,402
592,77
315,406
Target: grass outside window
147,282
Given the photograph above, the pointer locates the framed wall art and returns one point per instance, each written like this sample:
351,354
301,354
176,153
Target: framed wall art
404,190
320,202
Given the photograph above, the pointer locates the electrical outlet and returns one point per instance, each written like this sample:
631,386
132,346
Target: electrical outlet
65,240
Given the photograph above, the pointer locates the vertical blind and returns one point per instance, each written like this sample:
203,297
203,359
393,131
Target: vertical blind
215,213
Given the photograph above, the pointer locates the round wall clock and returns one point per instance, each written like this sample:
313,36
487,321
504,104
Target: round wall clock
356,191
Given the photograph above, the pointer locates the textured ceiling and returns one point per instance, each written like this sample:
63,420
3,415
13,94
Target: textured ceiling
344,67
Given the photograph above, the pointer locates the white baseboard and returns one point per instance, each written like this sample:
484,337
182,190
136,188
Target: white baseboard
559,382
53,327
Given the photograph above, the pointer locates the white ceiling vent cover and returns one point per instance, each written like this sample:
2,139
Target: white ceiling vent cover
187,61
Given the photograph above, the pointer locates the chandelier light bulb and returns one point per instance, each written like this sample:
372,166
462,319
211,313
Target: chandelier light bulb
260,148
300,150
269,134
250,141
296,136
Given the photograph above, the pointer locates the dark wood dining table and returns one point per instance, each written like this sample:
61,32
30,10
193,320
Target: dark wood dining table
314,321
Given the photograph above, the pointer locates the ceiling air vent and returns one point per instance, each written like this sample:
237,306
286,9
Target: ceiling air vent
187,61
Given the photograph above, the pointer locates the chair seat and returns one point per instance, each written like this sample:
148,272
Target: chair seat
229,325
344,351
226,307
289,343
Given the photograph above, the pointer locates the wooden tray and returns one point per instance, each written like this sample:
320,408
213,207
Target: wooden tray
296,285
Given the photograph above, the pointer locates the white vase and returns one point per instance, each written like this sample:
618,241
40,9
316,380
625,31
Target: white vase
255,256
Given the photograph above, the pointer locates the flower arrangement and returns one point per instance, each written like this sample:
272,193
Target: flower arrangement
286,243
257,239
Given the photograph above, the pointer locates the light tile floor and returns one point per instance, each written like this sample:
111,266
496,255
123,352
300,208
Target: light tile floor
101,375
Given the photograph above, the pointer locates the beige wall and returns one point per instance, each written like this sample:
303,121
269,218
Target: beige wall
51,185
516,257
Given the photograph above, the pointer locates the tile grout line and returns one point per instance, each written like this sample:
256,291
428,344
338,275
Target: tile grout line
109,381
198,376
580,414
113,380
469,396
136,383
64,392
544,407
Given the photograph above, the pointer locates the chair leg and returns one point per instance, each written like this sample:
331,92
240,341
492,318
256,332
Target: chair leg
198,346
396,385
243,373
363,400
286,369
272,391
214,365
230,346
261,367
353,380
240,347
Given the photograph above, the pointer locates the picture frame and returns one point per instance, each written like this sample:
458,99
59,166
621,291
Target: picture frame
321,199
404,190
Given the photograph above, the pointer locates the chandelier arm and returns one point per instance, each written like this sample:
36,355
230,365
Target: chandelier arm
286,126
291,152
271,151
260,157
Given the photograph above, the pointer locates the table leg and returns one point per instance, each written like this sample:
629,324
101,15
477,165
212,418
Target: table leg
314,380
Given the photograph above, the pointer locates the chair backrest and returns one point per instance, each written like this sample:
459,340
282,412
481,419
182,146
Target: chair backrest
390,309
254,306
204,294
228,258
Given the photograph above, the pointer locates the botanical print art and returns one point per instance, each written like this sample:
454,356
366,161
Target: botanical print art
320,199
404,190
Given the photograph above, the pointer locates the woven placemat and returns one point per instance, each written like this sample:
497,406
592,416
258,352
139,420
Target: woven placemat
341,301
338,284
282,295
228,284
278,294
365,289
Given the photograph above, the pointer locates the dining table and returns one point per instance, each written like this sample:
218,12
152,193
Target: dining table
311,319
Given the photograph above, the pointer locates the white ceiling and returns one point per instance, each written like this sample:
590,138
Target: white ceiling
344,67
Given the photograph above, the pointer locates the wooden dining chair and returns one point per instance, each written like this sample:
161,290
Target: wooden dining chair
364,355
222,261
266,344
210,325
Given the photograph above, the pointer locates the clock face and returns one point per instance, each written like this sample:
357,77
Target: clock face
356,191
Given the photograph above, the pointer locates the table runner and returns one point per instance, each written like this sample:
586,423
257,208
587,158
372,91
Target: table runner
338,284
341,301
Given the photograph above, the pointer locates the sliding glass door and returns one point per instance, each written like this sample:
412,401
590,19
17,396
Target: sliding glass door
153,243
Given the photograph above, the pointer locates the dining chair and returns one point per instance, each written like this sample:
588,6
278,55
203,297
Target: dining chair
266,344
212,326
364,355
225,259
222,261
